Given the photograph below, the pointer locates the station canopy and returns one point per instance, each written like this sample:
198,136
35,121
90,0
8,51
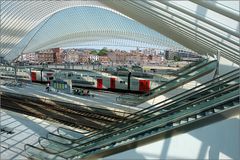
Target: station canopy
206,27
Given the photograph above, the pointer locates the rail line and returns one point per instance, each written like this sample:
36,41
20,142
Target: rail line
80,118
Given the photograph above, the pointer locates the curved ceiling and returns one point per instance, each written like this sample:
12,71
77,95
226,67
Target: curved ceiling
206,27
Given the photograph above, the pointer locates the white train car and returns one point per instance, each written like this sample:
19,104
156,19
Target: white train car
42,75
9,73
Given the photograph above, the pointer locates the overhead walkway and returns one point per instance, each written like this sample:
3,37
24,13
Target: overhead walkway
191,73
213,97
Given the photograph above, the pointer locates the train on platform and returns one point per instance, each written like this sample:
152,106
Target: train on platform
39,75
42,75
88,79
110,82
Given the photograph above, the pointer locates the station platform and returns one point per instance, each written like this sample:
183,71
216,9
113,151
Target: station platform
100,99
18,130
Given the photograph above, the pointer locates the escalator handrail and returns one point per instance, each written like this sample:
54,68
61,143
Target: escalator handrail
145,121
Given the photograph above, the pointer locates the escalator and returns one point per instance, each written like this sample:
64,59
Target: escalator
212,98
186,96
197,71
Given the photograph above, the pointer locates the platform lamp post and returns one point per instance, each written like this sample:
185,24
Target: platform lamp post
15,71
73,65
216,74
30,74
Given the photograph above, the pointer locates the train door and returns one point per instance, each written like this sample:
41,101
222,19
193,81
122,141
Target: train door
99,83
144,85
112,83
33,76
147,86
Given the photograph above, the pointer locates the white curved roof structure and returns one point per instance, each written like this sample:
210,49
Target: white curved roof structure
206,27
88,25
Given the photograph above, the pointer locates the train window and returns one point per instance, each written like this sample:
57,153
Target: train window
134,83
122,82
76,82
84,75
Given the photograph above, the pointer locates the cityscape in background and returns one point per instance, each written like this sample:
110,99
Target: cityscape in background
106,56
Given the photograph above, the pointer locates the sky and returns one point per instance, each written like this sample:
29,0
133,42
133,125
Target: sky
97,28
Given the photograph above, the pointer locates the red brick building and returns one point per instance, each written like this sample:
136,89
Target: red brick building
50,56
57,55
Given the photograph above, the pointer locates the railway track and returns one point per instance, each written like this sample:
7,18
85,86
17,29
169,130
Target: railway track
76,116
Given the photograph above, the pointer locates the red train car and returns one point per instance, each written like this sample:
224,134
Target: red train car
42,75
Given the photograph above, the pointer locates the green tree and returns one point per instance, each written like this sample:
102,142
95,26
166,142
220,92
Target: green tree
94,52
177,58
103,52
